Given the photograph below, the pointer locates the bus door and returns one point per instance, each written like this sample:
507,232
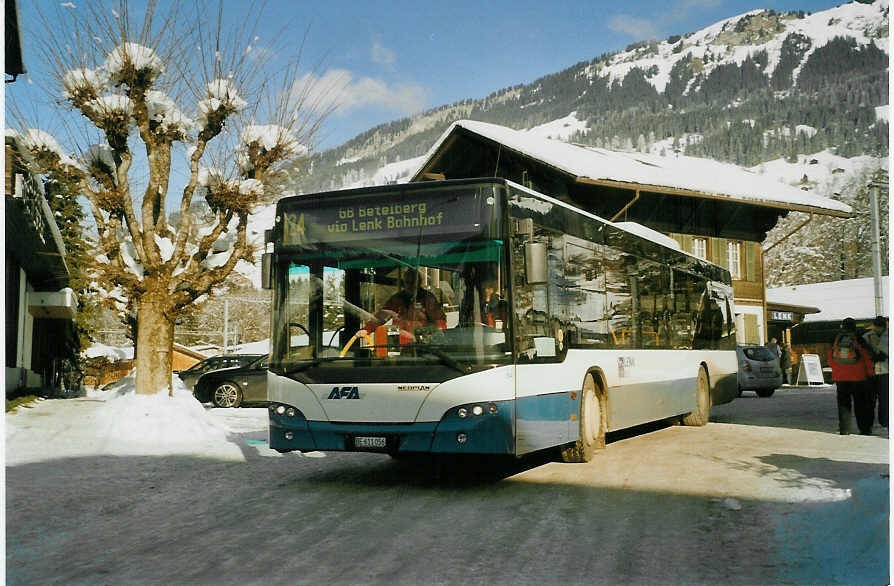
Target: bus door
542,403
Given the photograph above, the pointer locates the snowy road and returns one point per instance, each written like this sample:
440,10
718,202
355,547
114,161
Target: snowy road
768,493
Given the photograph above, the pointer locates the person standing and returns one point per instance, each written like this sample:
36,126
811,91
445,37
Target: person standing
851,367
876,339
785,362
773,347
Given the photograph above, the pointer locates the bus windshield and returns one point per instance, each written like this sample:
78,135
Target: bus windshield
394,280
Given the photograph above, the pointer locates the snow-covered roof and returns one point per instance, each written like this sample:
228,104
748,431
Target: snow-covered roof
836,300
675,174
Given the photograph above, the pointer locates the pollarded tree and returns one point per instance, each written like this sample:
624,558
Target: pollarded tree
128,81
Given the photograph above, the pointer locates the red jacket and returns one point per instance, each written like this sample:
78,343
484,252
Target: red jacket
855,372
410,312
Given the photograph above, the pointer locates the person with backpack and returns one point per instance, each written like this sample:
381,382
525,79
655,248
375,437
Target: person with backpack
852,366
877,340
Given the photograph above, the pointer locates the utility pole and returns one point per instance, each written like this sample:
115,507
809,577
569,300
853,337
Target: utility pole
874,187
226,340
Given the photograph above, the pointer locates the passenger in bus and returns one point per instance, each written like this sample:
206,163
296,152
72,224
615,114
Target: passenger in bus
493,307
410,308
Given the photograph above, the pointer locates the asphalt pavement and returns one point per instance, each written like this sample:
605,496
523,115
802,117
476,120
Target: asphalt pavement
767,493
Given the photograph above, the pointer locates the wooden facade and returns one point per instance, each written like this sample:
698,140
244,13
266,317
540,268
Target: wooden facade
748,279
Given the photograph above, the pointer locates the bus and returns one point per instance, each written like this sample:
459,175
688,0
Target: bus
555,326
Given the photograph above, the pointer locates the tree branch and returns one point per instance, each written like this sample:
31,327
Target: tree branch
130,217
188,290
186,202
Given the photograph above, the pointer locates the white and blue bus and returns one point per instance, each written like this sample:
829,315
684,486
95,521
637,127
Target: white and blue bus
557,326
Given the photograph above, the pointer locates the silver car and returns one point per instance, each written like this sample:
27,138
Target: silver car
759,370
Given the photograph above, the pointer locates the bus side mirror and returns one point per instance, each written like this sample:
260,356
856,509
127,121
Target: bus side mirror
267,271
536,265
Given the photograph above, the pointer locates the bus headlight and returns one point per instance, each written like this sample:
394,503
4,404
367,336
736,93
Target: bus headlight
476,410
284,411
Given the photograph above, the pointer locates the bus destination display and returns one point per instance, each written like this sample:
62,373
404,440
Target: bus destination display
391,218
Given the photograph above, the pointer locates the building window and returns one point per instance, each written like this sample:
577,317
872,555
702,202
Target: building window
734,254
700,247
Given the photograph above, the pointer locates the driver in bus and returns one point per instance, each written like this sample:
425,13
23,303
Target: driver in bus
412,308
493,308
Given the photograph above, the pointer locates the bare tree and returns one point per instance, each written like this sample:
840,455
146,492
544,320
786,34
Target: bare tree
125,79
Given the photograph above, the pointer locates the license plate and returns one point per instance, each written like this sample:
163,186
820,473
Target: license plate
370,443
768,369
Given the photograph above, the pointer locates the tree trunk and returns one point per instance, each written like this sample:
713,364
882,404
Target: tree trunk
155,340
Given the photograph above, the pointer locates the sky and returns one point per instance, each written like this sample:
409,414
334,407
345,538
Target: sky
396,58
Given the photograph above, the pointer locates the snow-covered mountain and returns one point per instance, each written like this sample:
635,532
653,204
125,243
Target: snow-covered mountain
736,39
742,90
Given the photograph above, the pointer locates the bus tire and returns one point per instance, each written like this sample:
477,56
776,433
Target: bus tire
591,436
702,411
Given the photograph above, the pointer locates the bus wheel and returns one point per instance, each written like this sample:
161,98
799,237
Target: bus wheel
227,395
592,425
702,411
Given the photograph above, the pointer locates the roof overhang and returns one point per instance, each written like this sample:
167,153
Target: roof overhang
681,192
805,309
53,304
13,65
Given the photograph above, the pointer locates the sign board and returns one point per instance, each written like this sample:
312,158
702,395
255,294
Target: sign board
782,316
810,370
386,215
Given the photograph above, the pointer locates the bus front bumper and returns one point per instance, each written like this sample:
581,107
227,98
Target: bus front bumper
462,430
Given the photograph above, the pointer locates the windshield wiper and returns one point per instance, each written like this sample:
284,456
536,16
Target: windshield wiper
311,363
421,350
445,358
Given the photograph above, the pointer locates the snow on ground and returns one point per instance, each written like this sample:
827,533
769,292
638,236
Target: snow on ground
561,129
397,172
825,171
119,422
111,352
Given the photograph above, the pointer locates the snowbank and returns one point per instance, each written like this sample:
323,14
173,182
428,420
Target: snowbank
126,424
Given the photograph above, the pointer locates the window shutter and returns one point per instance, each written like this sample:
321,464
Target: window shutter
718,252
752,261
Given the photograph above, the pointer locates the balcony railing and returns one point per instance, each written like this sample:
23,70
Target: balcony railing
30,191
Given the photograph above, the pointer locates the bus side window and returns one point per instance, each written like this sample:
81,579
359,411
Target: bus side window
584,284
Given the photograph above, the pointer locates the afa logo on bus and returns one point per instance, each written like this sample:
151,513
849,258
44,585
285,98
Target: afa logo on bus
344,393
